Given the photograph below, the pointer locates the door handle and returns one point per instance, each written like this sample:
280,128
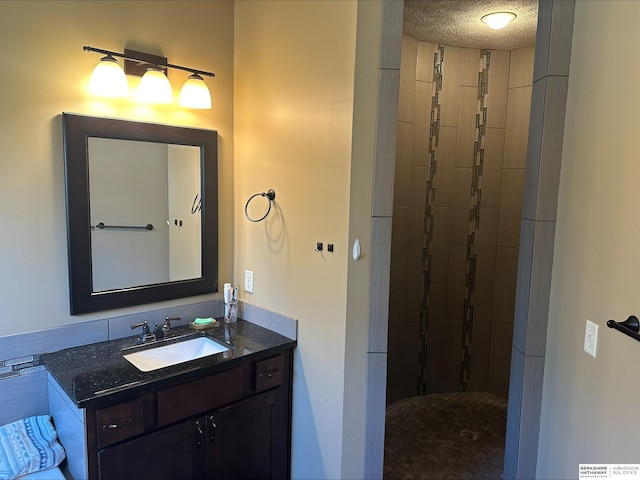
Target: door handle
198,434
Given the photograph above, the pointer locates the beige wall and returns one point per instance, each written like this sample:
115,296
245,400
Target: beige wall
44,72
496,236
590,406
294,81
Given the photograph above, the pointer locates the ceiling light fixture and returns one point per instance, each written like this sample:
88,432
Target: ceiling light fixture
154,86
498,20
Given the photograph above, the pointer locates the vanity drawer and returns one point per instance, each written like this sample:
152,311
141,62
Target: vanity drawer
198,396
269,373
119,422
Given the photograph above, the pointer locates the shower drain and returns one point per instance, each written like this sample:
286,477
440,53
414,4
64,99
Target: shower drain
469,435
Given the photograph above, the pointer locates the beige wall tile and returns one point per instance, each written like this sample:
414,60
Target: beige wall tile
413,283
517,130
482,319
407,79
461,205
440,244
396,331
504,293
456,284
424,66
479,374
398,245
498,83
417,191
467,132
450,84
521,67
492,167
437,302
487,240
442,375
444,338
403,162
421,124
511,194
444,172
469,66
500,359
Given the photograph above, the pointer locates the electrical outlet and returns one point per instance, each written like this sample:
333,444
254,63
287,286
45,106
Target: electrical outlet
591,338
248,281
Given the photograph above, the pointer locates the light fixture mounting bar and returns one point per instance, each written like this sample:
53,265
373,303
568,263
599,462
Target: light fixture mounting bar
147,59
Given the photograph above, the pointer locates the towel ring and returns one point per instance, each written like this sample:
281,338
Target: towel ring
270,194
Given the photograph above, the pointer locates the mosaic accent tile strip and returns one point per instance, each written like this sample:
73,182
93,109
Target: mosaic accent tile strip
430,194
20,366
474,218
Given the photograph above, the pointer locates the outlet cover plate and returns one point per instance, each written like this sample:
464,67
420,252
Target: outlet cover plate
248,281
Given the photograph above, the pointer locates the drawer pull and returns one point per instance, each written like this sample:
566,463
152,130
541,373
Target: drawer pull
212,434
270,373
199,434
119,423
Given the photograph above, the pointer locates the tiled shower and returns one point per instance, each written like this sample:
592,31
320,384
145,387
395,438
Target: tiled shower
463,122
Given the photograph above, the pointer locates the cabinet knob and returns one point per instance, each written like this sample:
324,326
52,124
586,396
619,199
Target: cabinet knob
212,433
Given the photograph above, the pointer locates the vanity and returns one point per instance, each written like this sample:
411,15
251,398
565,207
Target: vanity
224,415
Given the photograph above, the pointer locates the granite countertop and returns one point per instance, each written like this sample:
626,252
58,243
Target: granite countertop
92,374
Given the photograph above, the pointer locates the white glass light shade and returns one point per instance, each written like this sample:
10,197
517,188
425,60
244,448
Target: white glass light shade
108,79
154,87
194,93
498,20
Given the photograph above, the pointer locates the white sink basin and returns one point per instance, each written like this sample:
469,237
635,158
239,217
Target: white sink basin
174,353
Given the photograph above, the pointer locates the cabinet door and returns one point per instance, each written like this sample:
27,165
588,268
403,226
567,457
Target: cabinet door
172,453
247,439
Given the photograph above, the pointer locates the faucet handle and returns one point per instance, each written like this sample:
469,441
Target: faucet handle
166,327
146,334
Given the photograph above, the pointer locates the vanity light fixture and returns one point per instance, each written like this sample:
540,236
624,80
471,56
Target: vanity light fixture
498,20
154,86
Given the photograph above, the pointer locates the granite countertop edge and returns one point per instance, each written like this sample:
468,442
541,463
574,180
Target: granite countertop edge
98,373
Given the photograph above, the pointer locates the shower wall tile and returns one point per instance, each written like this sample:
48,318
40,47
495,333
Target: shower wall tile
403,163
440,244
417,192
424,65
504,295
500,359
467,111
444,338
438,302
523,285
398,245
397,314
469,67
456,284
401,381
492,167
450,84
517,129
479,374
510,207
521,67
553,39
421,124
497,94
536,123
461,206
446,158
514,407
413,282
486,242
407,79
442,375
482,319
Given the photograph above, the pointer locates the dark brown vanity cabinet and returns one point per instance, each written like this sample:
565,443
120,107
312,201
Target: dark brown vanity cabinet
227,425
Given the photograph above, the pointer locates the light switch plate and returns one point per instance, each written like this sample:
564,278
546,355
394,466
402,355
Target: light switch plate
591,338
248,281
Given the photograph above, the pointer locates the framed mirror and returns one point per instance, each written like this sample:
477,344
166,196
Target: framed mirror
142,212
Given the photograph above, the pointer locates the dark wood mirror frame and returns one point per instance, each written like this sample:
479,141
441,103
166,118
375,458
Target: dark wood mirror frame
76,131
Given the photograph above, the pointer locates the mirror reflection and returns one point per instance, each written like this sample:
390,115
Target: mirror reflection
145,212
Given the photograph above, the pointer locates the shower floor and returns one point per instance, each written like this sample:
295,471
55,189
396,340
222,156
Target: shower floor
445,436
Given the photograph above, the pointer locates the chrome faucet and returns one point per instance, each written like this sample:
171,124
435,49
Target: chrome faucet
146,335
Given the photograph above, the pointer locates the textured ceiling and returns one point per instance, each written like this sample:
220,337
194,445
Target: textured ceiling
457,23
